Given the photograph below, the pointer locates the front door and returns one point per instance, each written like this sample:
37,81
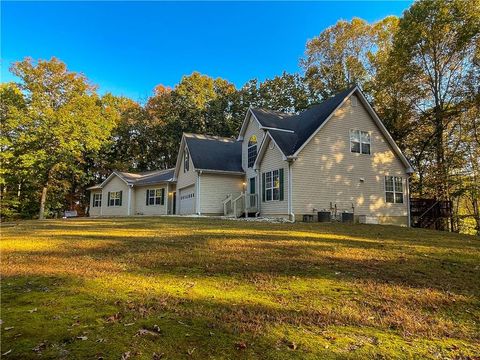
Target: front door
252,186
252,203
174,199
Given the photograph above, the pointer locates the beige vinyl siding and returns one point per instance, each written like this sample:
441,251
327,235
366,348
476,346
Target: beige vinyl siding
252,129
186,178
214,188
141,208
327,172
116,184
95,211
273,160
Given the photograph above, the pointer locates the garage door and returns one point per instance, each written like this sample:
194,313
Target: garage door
187,200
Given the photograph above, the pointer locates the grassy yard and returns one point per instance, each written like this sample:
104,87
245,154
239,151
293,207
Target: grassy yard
169,288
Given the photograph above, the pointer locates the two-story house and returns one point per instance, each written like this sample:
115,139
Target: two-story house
336,157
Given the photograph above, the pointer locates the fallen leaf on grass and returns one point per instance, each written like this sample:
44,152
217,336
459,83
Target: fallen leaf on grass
7,352
114,318
100,340
8,328
82,338
40,347
190,352
157,329
240,345
142,332
32,310
125,356
129,324
156,356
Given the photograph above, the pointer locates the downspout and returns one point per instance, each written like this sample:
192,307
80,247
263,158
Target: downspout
198,194
409,220
129,199
168,202
289,195
101,204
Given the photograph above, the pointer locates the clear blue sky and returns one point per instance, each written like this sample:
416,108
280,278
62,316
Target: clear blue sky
129,47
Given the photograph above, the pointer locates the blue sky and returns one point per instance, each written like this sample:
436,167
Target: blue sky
129,47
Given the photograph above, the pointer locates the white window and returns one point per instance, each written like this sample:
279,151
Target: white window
360,142
252,150
97,200
394,189
186,160
115,198
155,196
272,185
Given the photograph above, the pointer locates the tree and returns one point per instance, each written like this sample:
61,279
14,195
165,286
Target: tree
63,119
433,55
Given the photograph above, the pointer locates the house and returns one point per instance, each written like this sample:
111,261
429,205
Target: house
124,194
335,157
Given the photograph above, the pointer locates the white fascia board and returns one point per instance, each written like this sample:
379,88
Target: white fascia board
328,118
114,173
278,129
263,149
385,133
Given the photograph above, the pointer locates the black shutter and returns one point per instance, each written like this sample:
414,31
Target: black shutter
263,187
121,198
146,197
162,199
280,175
108,200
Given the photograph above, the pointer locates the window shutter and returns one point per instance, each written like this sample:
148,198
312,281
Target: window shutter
121,192
108,202
263,187
280,175
162,198
146,197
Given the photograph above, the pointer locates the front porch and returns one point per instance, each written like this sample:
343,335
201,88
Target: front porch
241,205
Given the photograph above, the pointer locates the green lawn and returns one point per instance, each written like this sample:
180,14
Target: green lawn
210,289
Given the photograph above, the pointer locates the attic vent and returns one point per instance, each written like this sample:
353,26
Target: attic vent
354,101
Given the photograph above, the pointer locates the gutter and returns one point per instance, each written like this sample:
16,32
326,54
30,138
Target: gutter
224,172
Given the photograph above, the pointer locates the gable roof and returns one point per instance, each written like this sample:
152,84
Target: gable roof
291,132
139,179
214,153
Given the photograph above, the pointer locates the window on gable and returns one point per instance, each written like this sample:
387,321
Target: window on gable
394,189
186,160
252,150
360,142
97,200
115,198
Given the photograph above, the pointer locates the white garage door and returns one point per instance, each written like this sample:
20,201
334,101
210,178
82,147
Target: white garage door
187,200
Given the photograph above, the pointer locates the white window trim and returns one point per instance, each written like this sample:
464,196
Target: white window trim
272,187
248,151
117,197
97,198
360,141
394,192
154,197
186,161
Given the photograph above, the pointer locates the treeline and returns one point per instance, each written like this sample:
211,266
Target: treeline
421,72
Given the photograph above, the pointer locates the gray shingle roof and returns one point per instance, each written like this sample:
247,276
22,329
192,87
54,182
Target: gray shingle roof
215,153
142,178
303,125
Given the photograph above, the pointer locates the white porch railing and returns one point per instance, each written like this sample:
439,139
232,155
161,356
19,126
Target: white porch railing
241,204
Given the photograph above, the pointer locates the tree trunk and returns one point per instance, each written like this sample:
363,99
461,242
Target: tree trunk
42,202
